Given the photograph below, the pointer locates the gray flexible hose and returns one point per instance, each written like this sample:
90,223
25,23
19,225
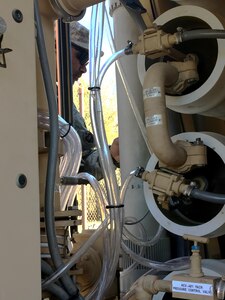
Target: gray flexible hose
201,34
46,268
58,292
52,157
208,197
53,288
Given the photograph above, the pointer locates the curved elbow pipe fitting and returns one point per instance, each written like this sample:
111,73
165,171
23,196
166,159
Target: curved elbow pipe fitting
157,78
149,285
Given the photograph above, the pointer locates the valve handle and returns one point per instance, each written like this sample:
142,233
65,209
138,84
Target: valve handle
196,239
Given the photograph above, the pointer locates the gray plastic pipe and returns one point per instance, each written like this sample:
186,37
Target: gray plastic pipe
157,77
208,197
53,156
184,36
53,288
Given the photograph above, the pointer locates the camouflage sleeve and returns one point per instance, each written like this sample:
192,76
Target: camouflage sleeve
91,164
90,158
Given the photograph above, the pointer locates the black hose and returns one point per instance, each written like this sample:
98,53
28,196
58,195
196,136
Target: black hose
202,34
208,197
52,157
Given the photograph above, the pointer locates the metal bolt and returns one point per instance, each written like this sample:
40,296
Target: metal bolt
21,181
17,15
191,80
198,141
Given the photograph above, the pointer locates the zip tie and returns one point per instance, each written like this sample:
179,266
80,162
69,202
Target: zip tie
114,206
94,88
63,136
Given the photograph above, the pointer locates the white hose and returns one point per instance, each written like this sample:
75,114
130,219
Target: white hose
109,62
180,264
129,92
112,249
145,242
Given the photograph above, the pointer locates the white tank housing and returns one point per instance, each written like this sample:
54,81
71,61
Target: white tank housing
207,97
213,225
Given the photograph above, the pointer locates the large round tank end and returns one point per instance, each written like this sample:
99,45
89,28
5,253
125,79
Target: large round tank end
207,96
192,216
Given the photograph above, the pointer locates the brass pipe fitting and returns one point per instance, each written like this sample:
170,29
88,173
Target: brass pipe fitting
165,185
149,285
155,43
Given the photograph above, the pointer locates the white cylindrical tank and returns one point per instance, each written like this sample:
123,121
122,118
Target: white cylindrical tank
133,150
208,4
207,96
192,216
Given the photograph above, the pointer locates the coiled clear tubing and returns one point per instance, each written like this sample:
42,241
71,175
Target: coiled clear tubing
70,161
114,233
99,232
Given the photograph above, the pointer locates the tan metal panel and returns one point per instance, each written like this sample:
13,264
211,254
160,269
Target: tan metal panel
19,207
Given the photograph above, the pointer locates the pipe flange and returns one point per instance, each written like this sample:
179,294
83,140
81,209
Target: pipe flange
113,6
197,99
60,11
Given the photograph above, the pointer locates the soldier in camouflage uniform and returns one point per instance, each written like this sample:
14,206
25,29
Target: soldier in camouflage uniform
90,158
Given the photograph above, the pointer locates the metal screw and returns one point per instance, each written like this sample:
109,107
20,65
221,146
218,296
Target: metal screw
21,181
17,15
180,29
198,141
191,80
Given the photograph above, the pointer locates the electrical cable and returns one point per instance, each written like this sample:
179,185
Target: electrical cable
52,157
138,221
186,219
